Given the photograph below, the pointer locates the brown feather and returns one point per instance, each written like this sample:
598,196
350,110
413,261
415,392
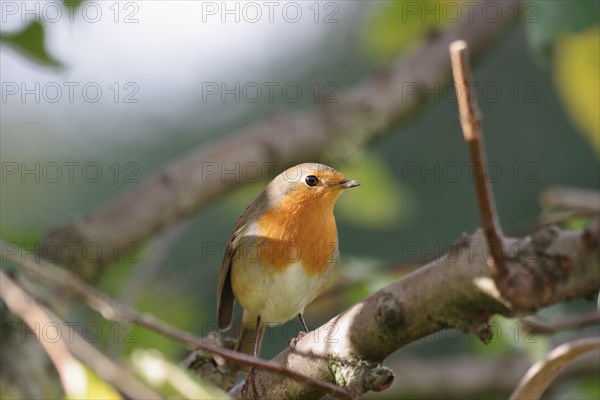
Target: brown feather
225,298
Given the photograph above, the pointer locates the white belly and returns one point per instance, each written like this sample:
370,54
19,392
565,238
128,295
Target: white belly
280,296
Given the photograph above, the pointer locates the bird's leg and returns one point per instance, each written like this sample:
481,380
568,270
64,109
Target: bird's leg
301,316
293,341
252,372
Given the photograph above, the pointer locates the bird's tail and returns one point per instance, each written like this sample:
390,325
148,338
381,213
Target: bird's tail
248,334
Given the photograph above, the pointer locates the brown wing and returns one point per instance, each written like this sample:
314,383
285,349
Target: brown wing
225,298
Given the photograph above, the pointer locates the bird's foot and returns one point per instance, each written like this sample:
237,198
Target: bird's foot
294,341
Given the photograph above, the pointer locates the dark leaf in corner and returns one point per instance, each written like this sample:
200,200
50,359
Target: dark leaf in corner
30,43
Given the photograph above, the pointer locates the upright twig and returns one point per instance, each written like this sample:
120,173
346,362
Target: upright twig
470,121
114,311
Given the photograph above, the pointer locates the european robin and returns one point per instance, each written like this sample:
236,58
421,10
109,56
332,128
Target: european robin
282,252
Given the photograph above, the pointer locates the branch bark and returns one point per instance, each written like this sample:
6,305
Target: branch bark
366,112
455,291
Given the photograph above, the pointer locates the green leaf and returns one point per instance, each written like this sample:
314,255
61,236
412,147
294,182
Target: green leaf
30,42
550,19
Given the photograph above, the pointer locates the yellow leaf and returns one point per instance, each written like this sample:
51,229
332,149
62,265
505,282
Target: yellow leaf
99,389
577,74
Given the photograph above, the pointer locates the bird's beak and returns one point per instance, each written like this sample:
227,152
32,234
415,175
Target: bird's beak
346,184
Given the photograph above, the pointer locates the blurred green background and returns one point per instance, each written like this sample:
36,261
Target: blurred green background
538,90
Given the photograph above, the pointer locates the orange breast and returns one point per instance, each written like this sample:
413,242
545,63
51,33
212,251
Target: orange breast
298,231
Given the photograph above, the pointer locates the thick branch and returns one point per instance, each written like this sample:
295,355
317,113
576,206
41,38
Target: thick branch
366,111
456,291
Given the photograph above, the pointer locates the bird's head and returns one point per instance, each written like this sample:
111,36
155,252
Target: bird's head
308,185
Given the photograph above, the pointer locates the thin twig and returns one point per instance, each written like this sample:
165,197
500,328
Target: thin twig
542,328
112,310
71,372
470,120
571,199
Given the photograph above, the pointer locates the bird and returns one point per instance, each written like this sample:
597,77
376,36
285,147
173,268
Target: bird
282,252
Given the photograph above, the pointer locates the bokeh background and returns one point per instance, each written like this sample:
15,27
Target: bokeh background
141,75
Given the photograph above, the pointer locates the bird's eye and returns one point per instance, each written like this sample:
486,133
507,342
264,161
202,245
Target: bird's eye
311,180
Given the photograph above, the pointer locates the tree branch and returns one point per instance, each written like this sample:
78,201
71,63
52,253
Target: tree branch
366,112
455,291
470,120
